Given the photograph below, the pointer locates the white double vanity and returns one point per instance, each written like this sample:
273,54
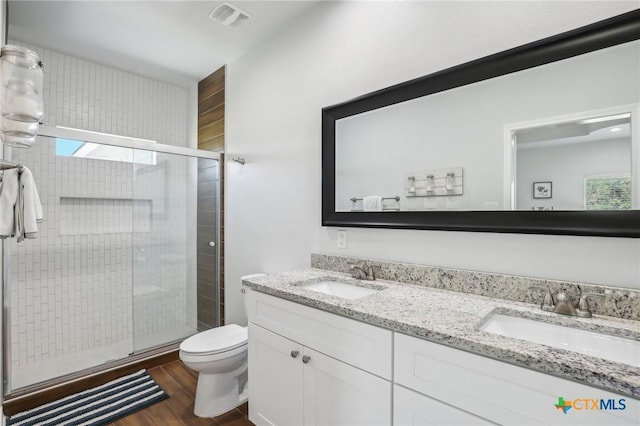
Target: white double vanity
413,355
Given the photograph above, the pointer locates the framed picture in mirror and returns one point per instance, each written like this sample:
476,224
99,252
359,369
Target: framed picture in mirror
542,189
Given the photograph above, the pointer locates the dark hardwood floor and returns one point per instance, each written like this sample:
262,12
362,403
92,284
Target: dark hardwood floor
180,383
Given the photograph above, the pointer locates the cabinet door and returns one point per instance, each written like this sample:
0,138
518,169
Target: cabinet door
275,379
338,394
413,409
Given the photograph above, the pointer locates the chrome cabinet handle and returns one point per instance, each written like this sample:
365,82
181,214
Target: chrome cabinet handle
294,354
306,359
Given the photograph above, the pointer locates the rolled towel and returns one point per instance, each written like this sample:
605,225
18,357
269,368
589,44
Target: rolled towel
372,203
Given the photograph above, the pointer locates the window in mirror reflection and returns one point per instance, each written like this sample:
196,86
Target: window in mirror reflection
607,193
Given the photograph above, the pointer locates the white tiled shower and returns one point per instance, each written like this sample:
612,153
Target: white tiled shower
113,269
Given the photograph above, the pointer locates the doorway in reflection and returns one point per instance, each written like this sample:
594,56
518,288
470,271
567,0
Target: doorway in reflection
582,164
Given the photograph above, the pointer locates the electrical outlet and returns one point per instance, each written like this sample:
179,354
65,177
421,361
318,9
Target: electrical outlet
342,239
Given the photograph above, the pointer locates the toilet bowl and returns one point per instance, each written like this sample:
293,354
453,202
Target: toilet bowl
219,356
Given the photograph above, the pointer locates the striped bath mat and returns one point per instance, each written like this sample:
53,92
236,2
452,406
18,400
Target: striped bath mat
98,406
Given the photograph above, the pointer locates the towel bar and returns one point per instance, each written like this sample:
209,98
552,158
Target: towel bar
397,198
6,165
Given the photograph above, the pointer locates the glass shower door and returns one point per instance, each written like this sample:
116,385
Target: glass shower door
67,292
125,260
166,297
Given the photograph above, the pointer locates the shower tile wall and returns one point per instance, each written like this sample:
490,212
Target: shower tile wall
71,288
90,96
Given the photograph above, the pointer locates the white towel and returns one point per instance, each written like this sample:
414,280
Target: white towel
20,207
372,203
29,208
8,200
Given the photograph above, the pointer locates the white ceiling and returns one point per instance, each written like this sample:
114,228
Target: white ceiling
170,40
573,132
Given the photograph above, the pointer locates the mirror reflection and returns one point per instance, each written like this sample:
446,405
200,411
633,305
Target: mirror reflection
579,165
556,137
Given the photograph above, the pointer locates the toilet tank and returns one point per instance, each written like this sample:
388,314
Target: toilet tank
244,299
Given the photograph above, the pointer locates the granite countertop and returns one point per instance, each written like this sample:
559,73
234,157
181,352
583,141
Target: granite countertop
453,319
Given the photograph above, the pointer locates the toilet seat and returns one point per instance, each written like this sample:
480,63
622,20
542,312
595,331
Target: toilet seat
216,341
208,357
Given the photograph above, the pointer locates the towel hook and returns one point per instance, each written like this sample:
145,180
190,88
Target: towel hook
239,160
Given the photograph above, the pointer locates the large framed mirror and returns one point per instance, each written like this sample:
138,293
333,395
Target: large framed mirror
543,138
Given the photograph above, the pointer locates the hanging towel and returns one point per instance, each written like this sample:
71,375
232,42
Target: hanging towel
372,203
28,207
20,207
8,200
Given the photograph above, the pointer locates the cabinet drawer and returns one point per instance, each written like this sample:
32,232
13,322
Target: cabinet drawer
356,343
413,409
498,391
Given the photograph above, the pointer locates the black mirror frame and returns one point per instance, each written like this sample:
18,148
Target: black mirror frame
610,32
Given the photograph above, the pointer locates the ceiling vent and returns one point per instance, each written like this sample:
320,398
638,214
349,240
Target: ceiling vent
229,15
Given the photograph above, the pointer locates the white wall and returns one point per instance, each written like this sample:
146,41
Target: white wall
566,166
341,50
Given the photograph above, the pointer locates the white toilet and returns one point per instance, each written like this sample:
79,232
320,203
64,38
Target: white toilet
219,356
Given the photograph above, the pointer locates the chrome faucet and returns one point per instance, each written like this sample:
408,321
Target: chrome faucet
563,304
358,272
584,310
364,271
548,304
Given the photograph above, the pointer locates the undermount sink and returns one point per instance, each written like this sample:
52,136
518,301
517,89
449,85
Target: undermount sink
338,289
613,348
